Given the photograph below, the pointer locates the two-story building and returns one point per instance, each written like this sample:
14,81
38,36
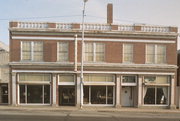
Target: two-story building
4,73
124,65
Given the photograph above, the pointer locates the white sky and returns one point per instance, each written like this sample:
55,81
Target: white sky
153,12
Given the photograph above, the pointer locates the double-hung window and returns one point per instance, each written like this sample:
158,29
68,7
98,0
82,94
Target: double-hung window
127,53
63,54
94,52
31,51
155,54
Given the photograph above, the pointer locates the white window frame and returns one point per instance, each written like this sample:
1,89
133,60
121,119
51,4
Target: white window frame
155,54
132,53
94,52
31,51
58,52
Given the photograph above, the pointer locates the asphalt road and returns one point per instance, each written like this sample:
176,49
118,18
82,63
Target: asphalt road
7,115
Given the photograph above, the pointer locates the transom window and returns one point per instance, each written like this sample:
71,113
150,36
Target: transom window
94,52
34,77
63,53
127,53
129,79
155,54
98,78
31,51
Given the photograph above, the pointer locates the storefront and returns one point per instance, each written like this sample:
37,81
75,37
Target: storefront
99,90
34,89
156,90
66,85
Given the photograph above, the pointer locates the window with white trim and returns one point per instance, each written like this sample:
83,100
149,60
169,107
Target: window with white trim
155,54
94,52
63,53
127,53
31,51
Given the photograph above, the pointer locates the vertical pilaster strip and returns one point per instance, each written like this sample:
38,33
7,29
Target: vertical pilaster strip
118,92
14,95
78,91
172,105
140,80
54,100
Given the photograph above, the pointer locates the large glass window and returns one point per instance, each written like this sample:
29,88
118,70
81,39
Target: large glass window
156,90
98,94
34,94
63,53
127,53
155,53
32,51
94,52
156,95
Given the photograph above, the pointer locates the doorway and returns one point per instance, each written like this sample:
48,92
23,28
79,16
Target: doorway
3,93
127,96
67,95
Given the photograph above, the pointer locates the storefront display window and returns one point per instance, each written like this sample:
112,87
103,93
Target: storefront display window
156,90
34,94
98,95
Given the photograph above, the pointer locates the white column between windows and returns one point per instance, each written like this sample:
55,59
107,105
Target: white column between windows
118,92
78,91
172,94
140,80
14,97
54,94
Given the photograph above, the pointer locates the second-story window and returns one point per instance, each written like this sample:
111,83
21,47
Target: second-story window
31,51
94,52
155,54
63,54
127,53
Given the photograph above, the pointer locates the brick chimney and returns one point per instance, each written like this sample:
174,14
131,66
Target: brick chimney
110,13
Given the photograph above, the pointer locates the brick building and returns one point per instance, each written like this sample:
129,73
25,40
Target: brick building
124,65
4,73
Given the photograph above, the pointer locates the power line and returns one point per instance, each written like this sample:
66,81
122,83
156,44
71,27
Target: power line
41,17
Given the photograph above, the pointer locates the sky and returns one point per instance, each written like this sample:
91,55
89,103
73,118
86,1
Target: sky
151,12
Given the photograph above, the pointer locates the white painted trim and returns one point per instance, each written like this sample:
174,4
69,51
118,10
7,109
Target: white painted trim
128,84
90,39
92,72
99,83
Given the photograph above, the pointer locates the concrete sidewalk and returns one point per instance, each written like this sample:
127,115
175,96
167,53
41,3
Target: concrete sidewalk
87,108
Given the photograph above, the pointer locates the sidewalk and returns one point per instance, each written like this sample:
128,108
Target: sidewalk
88,108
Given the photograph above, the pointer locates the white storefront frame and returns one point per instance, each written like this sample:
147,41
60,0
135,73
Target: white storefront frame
90,84
156,86
33,83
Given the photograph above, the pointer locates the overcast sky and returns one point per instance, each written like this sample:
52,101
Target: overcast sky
153,12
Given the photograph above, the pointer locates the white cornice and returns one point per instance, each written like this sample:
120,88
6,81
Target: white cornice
91,39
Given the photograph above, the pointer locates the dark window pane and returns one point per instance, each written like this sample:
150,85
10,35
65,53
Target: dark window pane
149,96
86,95
4,93
161,95
46,93
67,95
22,93
110,95
34,94
98,94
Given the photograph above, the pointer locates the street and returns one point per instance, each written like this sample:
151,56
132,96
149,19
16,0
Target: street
33,115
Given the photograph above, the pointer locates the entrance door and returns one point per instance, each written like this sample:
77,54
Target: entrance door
127,96
4,94
67,95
